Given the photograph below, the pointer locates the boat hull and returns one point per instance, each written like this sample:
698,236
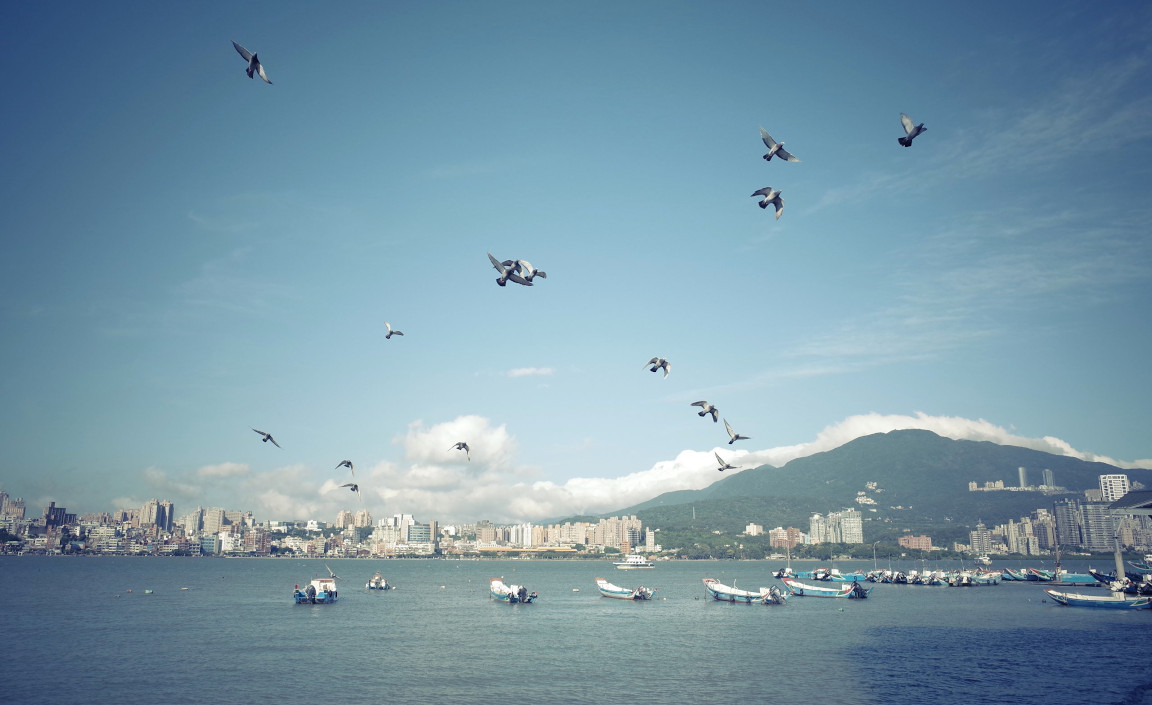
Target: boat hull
727,593
854,590
616,592
1072,599
511,594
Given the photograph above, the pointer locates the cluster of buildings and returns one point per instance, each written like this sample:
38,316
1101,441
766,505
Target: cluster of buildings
156,529
1082,523
845,526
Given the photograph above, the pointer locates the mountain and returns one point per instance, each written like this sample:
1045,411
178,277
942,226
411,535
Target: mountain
916,478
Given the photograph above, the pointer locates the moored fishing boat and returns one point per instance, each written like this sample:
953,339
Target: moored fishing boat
377,582
321,591
512,594
730,593
633,561
852,590
1113,601
607,589
1009,574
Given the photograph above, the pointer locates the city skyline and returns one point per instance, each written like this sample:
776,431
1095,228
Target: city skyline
192,254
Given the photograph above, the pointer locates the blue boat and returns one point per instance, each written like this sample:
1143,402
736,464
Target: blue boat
1113,601
853,590
321,591
511,594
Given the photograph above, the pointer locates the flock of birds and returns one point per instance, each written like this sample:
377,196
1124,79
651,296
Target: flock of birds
522,272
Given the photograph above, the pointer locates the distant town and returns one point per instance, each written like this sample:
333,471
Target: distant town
1072,522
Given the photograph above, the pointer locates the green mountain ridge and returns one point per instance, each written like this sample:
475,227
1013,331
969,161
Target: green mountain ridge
921,482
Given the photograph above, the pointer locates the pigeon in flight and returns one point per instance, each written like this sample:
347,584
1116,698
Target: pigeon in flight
723,465
911,130
267,437
390,331
733,435
331,574
348,464
352,486
657,363
507,273
706,409
254,65
523,266
775,149
464,447
770,196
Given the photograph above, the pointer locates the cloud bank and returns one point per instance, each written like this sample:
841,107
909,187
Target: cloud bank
433,481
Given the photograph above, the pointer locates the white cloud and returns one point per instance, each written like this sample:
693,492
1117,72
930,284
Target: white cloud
223,470
434,482
530,372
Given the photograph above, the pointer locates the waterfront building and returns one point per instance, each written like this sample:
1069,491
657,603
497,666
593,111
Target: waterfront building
980,539
1069,523
916,543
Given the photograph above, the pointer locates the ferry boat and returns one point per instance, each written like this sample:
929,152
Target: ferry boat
377,582
633,561
321,591
512,594
608,589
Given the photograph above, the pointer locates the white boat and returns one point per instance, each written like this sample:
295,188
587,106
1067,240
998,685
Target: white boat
633,561
607,589
321,591
512,594
983,560
377,582
729,593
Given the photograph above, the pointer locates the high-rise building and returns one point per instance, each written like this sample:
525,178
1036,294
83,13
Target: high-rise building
1113,487
1049,481
980,539
1069,523
1098,526
1023,472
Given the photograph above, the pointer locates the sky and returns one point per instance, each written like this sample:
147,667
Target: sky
189,254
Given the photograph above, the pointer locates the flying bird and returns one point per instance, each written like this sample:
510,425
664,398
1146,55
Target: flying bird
392,332
706,409
254,65
733,435
348,464
331,574
267,437
911,130
464,447
352,486
775,149
657,363
524,267
506,273
723,465
770,196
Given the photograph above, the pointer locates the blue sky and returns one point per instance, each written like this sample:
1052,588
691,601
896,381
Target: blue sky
189,253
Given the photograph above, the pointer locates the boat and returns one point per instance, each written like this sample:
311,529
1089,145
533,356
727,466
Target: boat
512,594
607,589
377,582
730,593
983,560
1144,566
1113,601
633,561
853,590
1009,574
321,591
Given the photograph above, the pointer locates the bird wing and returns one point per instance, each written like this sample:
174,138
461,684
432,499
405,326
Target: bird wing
243,52
396,332
273,440
779,206
653,361
766,192
768,141
260,70
496,264
667,367
729,429
907,123
258,431
786,155
519,279
702,404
